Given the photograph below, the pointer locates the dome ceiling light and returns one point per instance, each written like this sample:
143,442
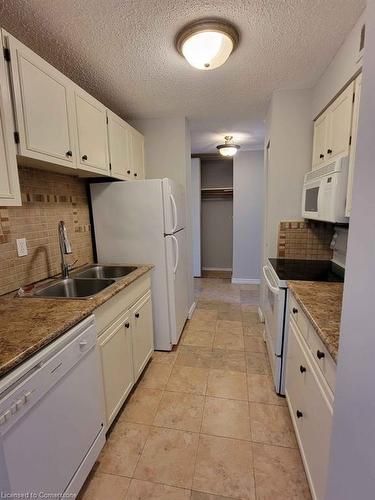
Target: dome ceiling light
207,44
228,148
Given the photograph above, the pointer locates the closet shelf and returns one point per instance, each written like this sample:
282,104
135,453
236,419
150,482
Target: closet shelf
217,192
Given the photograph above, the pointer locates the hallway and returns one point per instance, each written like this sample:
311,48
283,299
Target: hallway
204,422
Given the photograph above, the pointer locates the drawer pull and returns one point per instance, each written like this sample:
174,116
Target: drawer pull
320,354
299,414
84,157
136,315
302,369
295,310
127,325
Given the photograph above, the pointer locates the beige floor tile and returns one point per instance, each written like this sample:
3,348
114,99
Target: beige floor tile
198,338
188,379
164,357
168,457
279,473
180,411
257,362
195,357
229,326
230,314
227,384
271,424
207,325
123,449
204,314
198,495
142,405
156,376
254,344
262,390
228,360
229,341
254,330
250,318
249,308
224,467
227,418
144,490
100,486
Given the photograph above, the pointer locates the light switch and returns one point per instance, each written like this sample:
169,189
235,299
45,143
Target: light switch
21,247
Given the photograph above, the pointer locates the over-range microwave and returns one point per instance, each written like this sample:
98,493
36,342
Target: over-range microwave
324,192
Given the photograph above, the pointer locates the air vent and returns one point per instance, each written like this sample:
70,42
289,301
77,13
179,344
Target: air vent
331,168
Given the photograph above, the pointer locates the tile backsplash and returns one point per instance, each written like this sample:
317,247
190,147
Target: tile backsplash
47,198
305,240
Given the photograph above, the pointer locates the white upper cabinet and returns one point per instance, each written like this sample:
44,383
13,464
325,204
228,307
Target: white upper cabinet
9,184
119,141
332,129
43,102
353,147
92,142
137,155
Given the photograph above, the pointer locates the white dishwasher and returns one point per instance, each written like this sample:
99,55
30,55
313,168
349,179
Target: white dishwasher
52,418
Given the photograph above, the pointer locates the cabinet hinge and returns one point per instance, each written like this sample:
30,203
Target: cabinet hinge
353,96
106,119
6,52
16,137
110,166
350,140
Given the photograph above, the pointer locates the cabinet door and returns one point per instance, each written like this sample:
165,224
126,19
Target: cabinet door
91,133
117,366
142,334
320,140
44,111
9,183
340,124
119,143
137,155
353,146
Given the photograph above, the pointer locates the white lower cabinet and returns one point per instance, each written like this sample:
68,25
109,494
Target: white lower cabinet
310,402
126,342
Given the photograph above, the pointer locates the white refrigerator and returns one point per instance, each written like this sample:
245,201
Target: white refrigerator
144,222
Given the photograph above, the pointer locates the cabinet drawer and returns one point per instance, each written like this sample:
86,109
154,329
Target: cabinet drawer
299,317
323,358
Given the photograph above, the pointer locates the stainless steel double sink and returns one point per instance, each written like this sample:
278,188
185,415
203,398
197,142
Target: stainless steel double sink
86,283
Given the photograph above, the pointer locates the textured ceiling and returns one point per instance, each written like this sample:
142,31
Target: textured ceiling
122,52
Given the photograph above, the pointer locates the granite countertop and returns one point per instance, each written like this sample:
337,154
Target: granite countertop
321,302
28,324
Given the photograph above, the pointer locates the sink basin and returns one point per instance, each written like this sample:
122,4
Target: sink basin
74,288
102,272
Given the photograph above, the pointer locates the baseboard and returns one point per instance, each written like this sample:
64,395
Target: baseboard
245,281
192,309
217,269
260,315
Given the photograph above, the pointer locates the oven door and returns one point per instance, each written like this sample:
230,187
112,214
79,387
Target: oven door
311,199
274,309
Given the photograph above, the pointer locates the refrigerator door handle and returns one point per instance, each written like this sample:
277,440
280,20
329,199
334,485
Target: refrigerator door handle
174,208
177,254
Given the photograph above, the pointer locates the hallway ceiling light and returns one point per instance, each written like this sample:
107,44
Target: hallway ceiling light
229,148
207,44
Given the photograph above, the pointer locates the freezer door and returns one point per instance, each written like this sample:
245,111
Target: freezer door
174,206
177,283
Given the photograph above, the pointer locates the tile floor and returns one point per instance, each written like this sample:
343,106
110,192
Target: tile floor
204,422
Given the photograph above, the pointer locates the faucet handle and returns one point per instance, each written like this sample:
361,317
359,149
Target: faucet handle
70,266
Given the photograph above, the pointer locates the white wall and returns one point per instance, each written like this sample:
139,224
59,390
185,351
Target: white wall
352,466
196,214
341,69
248,201
168,154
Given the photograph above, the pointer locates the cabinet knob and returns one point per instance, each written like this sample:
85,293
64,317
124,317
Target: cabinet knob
135,175
302,369
320,354
295,310
127,325
329,151
321,155
69,153
128,171
84,157
136,315
299,414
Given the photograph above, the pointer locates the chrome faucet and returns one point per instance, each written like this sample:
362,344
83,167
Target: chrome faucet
65,249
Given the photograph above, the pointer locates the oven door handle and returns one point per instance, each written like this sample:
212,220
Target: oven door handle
274,289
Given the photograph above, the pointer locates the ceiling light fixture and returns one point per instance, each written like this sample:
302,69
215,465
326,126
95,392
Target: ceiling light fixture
207,44
228,148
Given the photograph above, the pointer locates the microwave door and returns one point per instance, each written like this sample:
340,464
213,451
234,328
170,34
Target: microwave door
311,200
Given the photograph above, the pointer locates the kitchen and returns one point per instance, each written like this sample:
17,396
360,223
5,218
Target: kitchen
170,423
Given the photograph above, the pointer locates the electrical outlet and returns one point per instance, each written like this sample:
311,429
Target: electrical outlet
21,247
